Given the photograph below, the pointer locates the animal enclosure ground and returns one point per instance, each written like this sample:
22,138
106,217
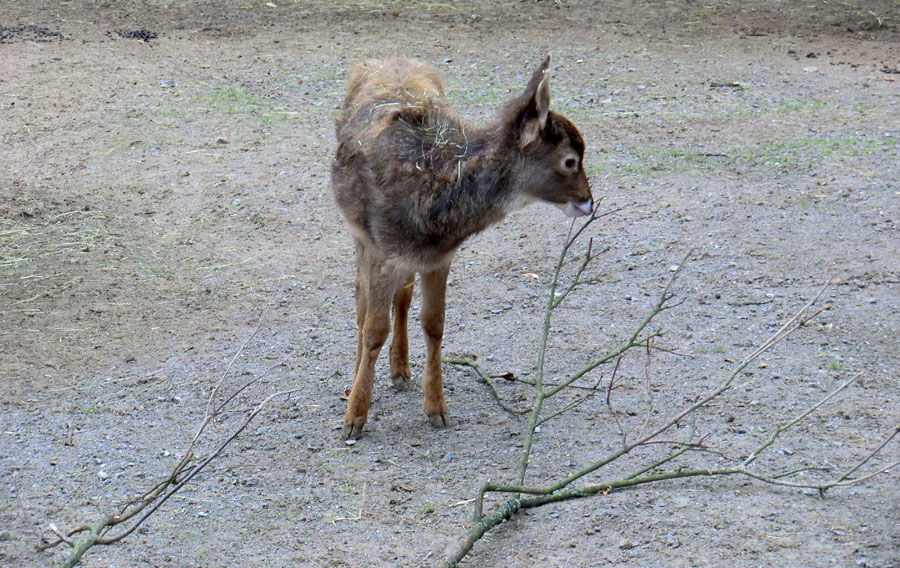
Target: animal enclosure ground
164,176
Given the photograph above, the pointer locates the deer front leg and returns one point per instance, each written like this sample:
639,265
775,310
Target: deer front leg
434,289
399,350
374,332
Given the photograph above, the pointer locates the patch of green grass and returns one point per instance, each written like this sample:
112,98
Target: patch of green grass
232,100
802,152
791,155
257,220
426,509
835,366
742,110
719,350
490,95
653,162
801,203
198,99
800,106
383,5
324,74
598,167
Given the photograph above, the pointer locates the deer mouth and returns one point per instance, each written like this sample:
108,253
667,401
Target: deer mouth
578,208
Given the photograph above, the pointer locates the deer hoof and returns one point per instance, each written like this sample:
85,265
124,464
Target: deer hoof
352,431
402,383
440,419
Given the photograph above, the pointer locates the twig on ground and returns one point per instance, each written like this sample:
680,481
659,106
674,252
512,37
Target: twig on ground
486,379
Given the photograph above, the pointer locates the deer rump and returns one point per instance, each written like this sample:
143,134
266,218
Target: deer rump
413,182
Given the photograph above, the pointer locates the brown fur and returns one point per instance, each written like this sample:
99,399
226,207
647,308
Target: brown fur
413,182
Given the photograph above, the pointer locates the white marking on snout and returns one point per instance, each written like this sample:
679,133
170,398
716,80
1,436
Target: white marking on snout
578,208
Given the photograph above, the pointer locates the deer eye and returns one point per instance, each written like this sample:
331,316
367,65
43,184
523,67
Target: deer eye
570,163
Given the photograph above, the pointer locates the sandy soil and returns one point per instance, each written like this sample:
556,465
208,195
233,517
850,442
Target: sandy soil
164,178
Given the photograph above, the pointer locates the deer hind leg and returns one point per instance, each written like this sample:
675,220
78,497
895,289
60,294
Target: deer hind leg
434,289
399,350
374,292
362,285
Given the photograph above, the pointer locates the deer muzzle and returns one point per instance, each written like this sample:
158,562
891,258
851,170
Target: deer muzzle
579,208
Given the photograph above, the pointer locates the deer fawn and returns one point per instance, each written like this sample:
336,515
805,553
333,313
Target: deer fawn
413,182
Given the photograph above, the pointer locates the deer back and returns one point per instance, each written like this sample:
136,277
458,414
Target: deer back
413,181
400,154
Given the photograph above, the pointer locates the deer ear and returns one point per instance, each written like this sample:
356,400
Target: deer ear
537,108
542,98
537,76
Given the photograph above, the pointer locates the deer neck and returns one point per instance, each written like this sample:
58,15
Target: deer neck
485,188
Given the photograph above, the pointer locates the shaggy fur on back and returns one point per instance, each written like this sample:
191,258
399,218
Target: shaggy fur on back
410,177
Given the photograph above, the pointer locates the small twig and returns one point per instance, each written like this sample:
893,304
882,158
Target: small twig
61,536
631,343
871,454
237,354
248,384
657,463
572,404
635,340
47,544
609,389
576,280
781,429
509,377
649,414
209,414
801,470
487,380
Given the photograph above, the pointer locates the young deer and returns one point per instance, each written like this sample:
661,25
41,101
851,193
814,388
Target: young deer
413,182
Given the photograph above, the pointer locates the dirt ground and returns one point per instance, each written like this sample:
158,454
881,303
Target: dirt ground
164,177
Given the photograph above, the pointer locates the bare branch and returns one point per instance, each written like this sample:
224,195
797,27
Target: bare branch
136,511
781,429
579,401
576,280
649,414
487,380
650,434
633,341
871,454
63,537
200,466
612,411
225,373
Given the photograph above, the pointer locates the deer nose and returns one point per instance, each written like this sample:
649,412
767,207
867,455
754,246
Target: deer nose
580,208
